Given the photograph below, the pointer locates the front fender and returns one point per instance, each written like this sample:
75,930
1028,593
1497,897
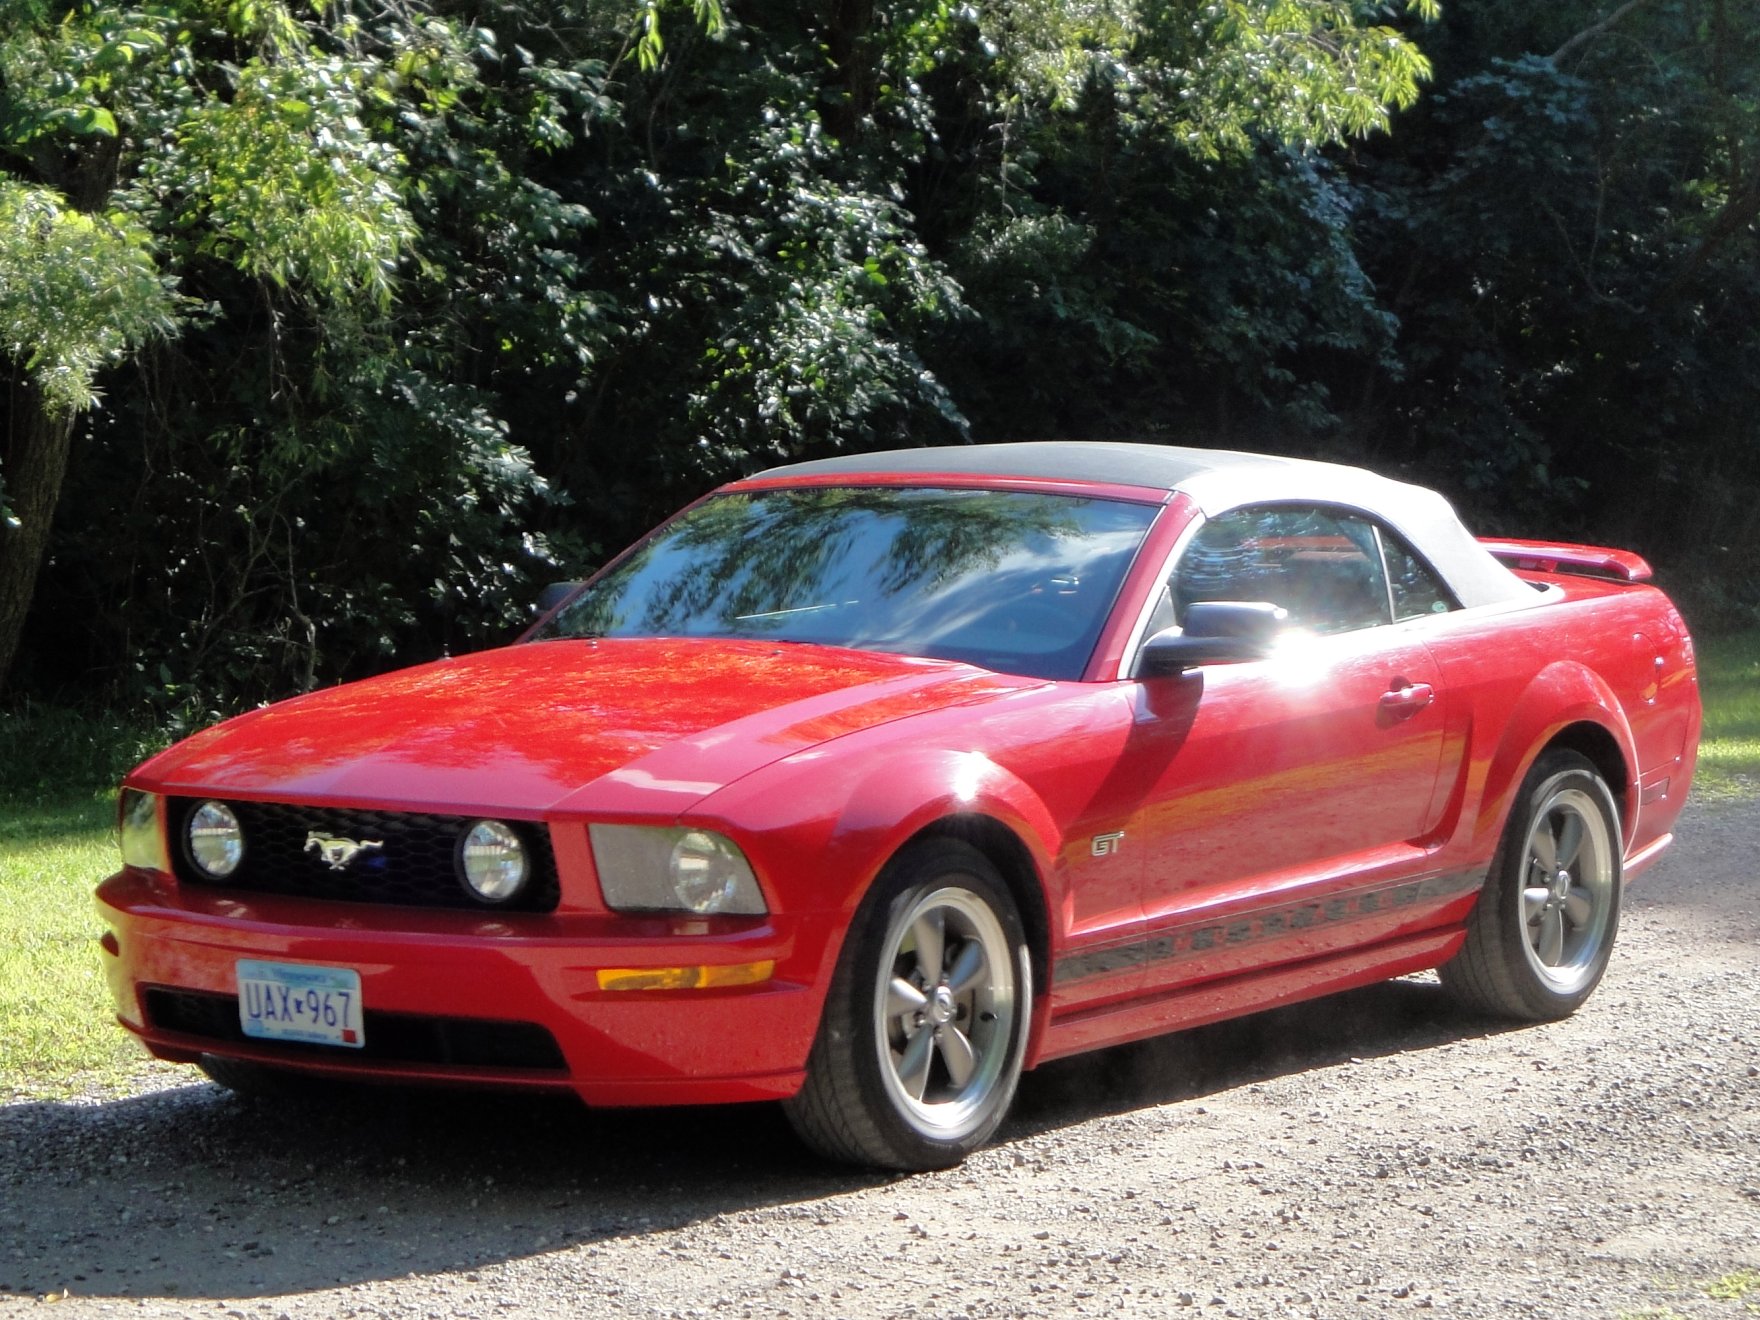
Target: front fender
819,828
1563,694
908,794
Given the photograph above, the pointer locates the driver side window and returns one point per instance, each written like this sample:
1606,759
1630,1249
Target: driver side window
1324,566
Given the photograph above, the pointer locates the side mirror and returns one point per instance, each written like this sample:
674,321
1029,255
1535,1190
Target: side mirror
1216,631
554,594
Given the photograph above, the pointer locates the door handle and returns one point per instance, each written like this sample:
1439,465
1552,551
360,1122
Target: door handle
1408,699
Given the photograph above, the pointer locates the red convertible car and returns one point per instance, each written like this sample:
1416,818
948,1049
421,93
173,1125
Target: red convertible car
866,784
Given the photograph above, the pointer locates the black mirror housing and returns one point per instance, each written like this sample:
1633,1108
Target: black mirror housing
554,594
1215,632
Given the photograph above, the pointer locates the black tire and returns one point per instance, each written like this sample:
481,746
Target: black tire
259,1081
904,1020
1540,937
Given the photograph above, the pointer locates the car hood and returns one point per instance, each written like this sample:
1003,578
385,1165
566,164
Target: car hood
614,725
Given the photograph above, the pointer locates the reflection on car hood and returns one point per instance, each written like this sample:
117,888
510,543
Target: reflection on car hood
632,725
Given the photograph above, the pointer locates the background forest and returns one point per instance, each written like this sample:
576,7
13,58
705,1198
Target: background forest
330,332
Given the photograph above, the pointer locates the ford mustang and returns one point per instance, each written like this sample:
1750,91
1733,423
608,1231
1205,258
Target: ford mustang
866,784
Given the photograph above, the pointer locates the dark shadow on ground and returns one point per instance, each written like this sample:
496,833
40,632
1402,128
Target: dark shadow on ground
192,1192
1389,1018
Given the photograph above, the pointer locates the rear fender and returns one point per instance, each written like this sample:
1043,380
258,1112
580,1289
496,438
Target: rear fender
1565,693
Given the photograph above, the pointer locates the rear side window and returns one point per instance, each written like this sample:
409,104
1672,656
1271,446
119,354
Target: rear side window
1416,590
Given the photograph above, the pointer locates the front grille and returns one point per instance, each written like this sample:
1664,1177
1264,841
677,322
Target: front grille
390,1037
415,866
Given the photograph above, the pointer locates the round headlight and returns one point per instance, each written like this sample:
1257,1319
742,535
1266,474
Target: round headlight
215,841
708,873
494,862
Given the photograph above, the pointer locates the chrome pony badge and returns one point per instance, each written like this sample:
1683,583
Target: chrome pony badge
338,852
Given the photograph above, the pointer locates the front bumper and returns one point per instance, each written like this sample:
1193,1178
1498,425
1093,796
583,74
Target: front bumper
433,979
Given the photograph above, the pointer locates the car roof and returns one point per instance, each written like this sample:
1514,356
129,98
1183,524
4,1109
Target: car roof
1216,480
1157,467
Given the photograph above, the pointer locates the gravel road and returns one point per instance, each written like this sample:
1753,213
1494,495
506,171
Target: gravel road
1368,1155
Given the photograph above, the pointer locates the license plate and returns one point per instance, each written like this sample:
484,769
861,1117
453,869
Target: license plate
294,1001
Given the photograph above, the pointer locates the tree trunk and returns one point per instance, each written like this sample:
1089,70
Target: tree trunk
36,448
850,41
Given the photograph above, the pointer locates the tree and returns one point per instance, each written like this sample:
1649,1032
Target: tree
120,125
804,211
76,292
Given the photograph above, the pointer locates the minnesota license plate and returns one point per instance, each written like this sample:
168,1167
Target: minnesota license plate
294,1001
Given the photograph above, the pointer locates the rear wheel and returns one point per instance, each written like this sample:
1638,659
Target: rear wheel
920,1048
1540,938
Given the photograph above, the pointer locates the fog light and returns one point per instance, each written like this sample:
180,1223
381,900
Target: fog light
493,861
214,842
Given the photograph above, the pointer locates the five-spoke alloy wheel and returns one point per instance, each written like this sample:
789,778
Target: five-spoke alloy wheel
1540,937
920,1048
1568,899
945,1017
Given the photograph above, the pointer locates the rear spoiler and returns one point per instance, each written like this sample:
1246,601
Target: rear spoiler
1559,557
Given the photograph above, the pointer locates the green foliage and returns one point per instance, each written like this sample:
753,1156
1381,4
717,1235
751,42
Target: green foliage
1302,72
1220,76
815,289
765,290
1583,359
307,481
284,182
650,45
1195,290
77,292
63,73
52,754
897,234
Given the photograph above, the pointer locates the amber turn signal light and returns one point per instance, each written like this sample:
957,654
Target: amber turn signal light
686,978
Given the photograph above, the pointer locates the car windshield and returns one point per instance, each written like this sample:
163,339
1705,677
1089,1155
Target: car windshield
1016,581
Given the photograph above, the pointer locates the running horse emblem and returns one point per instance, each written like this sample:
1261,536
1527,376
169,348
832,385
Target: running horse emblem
338,852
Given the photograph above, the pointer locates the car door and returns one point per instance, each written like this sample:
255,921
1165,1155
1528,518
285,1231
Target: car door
1287,798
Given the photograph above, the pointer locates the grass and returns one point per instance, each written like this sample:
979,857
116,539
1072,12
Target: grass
1736,1286
1729,750
57,1033
1733,1287
58,1036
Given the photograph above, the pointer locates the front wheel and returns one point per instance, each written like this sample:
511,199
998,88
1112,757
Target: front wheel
258,1081
920,1048
1542,933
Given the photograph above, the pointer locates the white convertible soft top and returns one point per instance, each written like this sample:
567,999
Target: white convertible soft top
1216,480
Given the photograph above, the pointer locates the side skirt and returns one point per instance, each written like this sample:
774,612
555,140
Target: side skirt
1235,996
